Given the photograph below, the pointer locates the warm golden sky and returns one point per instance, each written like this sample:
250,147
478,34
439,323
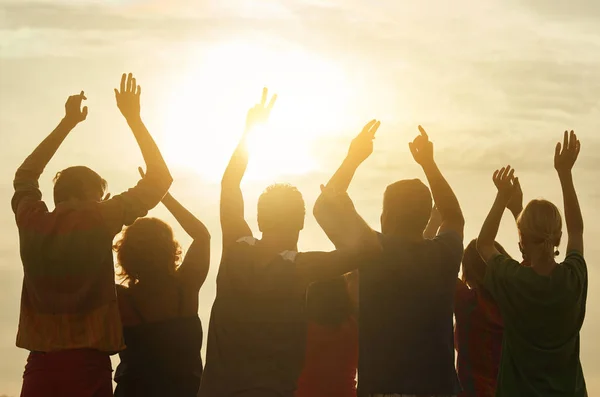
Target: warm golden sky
493,82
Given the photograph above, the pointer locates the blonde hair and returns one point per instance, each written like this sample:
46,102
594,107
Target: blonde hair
541,223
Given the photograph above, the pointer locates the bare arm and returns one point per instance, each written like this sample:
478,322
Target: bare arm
26,177
128,101
435,221
360,149
443,196
563,162
233,223
504,180
515,204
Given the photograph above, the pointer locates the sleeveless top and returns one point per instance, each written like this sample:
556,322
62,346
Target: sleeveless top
162,358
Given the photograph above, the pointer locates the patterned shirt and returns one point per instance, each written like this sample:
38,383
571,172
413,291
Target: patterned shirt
478,340
68,300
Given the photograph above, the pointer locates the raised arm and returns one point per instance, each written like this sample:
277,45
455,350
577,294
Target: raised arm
564,159
443,196
26,177
435,221
136,202
360,149
504,181
233,223
195,265
363,243
515,204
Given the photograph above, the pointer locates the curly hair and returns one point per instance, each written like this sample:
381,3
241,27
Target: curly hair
147,250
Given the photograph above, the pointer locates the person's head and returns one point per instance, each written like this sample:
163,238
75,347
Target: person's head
281,210
540,230
147,250
406,207
79,183
328,302
473,266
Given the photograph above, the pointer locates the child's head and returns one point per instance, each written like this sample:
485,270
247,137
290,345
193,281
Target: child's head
473,266
540,230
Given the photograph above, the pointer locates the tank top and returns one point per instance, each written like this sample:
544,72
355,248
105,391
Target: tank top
162,358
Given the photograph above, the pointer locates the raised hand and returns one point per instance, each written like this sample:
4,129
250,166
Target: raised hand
362,146
515,204
421,148
259,114
504,179
128,97
566,154
73,112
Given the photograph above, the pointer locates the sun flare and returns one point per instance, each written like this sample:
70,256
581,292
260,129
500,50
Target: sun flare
207,106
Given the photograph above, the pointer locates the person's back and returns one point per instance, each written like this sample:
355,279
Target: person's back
69,318
159,308
406,314
543,304
331,358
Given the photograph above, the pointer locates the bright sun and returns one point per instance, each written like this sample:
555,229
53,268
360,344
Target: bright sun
208,103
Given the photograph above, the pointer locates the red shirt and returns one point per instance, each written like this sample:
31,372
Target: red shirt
331,361
478,340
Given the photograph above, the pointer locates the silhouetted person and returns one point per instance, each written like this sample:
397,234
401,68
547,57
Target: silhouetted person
331,358
543,304
256,339
69,314
406,342
159,306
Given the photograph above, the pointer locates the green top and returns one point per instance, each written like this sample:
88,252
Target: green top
542,317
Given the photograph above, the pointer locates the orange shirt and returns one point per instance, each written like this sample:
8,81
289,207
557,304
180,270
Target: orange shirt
331,361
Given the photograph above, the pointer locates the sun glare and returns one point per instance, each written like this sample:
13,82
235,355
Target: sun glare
207,106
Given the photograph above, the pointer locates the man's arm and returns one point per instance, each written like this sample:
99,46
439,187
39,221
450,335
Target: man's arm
360,149
26,177
157,181
504,181
443,196
233,223
564,160
362,242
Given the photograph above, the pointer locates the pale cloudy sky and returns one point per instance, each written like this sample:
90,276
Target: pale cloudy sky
494,82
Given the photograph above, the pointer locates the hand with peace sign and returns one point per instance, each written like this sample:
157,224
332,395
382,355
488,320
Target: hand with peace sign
259,114
362,146
421,148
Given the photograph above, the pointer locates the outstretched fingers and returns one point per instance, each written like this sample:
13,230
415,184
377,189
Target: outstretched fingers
265,93
122,86
423,132
272,102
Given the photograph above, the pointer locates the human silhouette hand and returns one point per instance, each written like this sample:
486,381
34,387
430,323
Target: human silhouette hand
128,97
566,154
504,179
421,148
74,114
259,114
362,146
515,204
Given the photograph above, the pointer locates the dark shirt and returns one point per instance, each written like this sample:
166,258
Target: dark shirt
257,332
542,319
406,343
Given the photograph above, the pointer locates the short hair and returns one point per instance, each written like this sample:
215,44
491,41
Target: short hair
281,207
407,204
473,265
540,223
77,182
147,249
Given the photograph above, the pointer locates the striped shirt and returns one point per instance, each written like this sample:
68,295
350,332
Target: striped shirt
68,299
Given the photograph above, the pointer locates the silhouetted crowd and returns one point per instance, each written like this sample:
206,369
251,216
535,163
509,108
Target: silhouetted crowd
388,306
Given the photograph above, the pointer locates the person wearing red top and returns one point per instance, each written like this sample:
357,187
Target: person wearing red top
331,356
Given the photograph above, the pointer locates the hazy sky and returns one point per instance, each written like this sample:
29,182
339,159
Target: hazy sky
493,82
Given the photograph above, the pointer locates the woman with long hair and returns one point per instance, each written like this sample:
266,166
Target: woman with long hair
331,356
159,306
542,304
